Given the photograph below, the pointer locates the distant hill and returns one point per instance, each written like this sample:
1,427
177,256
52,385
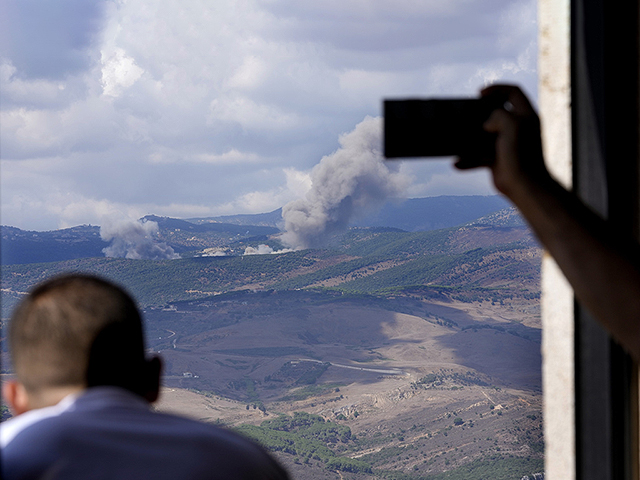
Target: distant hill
502,259
389,348
432,213
507,217
270,219
412,215
24,246
168,223
236,232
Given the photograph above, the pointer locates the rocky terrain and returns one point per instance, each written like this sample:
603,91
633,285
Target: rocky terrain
423,392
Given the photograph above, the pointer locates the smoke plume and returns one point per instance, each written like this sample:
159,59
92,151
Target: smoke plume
351,181
134,239
214,252
264,250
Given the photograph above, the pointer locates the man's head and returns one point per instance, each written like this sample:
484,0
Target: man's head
79,331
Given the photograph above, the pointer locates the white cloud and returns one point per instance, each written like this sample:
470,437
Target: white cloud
232,156
22,92
53,210
518,25
200,108
297,184
50,40
249,114
249,75
89,125
119,72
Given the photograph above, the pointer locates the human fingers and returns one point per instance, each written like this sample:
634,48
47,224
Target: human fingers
469,162
499,121
512,94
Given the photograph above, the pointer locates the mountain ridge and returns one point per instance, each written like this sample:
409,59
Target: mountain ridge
423,346
411,214
183,235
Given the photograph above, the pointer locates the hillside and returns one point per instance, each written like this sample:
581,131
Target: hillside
235,232
416,385
478,261
22,246
390,354
432,213
413,214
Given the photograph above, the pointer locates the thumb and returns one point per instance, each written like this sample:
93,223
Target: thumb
499,121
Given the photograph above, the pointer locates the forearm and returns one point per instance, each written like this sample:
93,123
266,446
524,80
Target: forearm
601,267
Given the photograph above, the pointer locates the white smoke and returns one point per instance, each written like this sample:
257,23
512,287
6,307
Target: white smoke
213,252
134,239
264,250
351,181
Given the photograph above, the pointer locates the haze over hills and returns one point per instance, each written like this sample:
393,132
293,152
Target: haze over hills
482,255
387,354
84,241
412,215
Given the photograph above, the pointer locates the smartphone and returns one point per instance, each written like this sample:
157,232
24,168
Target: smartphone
438,127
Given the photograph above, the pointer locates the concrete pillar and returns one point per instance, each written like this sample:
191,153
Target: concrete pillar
554,84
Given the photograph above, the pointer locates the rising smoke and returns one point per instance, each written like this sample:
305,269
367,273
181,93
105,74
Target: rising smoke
264,250
134,239
351,181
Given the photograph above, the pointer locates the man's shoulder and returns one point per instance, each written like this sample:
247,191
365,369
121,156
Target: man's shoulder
214,446
107,427
181,427
11,428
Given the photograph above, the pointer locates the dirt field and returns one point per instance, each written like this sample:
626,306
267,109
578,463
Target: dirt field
486,358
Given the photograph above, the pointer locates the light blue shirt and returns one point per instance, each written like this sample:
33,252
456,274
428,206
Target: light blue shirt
111,433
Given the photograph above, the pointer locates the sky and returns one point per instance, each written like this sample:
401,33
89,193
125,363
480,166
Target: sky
119,109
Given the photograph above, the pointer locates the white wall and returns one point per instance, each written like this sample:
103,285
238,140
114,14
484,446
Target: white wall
554,84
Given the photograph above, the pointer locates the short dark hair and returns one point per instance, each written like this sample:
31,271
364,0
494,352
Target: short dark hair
77,329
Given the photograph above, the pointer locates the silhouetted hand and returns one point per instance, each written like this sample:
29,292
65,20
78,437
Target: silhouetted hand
518,153
601,264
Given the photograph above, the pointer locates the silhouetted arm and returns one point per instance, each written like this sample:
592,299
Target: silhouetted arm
602,267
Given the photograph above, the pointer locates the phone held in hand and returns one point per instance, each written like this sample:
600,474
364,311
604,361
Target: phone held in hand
415,128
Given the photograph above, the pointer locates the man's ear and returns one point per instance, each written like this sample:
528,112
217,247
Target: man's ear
16,396
153,372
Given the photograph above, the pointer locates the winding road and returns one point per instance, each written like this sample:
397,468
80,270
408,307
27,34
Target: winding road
363,369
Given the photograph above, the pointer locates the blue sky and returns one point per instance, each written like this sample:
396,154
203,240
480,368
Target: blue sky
126,108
